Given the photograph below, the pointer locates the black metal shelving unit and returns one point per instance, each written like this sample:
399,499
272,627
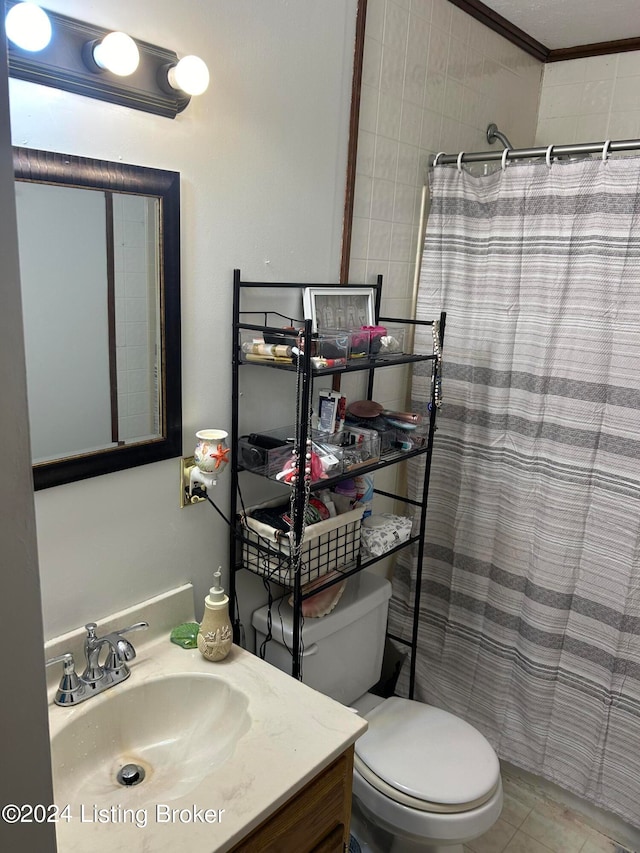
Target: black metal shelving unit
308,373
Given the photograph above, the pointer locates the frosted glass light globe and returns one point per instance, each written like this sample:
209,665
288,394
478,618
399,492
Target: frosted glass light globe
191,75
28,26
118,53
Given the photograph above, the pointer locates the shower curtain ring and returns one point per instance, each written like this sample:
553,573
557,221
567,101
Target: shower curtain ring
460,156
505,154
437,157
548,156
605,150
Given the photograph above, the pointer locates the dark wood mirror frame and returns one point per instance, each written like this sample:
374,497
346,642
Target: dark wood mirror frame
352,150
84,172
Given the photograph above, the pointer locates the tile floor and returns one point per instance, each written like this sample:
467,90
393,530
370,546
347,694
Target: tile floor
531,824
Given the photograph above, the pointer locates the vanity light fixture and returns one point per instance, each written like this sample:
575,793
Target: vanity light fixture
28,26
98,63
116,52
190,75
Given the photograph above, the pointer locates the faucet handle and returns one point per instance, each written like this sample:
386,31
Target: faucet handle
65,658
137,626
70,687
121,650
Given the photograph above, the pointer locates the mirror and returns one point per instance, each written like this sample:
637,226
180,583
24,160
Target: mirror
99,247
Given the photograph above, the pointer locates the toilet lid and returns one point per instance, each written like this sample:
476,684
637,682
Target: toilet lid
421,753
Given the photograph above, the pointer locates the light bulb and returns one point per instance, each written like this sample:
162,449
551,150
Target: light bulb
190,75
118,53
28,26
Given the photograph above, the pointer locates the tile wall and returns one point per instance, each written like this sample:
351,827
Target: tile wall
590,100
135,262
433,80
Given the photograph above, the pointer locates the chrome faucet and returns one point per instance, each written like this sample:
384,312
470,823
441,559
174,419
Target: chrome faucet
96,677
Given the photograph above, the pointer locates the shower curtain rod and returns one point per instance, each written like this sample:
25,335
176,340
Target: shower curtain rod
550,151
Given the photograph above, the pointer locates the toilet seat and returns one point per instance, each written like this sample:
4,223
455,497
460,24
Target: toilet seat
413,802
426,758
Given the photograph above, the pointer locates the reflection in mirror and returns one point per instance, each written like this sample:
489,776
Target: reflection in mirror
98,327
99,263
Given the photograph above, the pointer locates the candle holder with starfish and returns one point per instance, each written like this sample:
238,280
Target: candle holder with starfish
211,457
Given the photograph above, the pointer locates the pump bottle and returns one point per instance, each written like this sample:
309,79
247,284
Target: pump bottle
215,635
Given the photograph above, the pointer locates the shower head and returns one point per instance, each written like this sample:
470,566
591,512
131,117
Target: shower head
493,133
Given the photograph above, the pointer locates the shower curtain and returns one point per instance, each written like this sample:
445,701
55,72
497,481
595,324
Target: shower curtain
530,604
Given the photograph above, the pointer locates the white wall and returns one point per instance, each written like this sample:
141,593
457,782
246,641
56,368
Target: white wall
24,741
262,157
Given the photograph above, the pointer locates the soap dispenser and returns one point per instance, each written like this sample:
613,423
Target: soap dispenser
215,635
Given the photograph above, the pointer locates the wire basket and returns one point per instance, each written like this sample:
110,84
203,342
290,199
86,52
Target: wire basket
326,546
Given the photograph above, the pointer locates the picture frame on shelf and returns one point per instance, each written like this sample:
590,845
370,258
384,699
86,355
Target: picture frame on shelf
339,307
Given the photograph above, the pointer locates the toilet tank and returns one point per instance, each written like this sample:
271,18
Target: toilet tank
343,650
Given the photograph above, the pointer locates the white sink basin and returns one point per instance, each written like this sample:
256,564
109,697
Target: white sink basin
237,738
178,728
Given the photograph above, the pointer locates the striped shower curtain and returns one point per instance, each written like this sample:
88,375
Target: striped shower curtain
530,605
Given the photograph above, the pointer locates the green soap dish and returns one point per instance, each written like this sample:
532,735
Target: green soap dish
186,635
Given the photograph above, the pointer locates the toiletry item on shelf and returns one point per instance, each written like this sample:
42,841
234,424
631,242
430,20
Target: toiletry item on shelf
327,408
380,533
327,500
215,635
323,602
375,334
332,407
364,492
290,469
266,350
288,336
316,511
360,343
185,635
344,496
319,362
319,508
371,409
393,342
278,349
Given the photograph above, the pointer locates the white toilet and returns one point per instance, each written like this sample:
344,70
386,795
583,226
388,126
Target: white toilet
423,779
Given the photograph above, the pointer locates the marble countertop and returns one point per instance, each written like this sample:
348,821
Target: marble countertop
294,733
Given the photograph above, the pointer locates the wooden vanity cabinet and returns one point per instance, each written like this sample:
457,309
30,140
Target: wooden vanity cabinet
315,820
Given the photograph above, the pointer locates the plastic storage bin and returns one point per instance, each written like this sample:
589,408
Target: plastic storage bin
256,350
393,342
360,343
266,453
269,453
358,445
330,348
342,655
